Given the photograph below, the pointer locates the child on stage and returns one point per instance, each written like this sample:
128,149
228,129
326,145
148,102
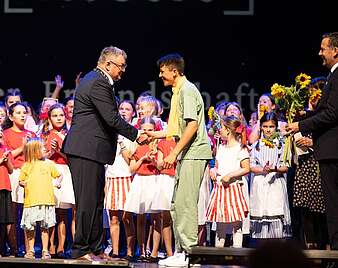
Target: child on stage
269,206
227,203
39,206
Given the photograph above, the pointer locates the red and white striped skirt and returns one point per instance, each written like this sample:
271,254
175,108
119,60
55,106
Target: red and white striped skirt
227,204
116,190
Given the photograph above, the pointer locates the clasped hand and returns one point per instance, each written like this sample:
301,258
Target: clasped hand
268,168
4,157
143,138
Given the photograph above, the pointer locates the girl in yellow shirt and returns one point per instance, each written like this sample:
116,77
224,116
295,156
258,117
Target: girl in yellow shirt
37,175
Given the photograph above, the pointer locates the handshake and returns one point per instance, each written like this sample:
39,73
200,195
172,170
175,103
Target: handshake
144,137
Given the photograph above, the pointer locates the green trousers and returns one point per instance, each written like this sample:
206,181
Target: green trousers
184,209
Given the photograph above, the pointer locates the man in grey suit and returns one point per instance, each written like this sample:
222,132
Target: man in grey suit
90,144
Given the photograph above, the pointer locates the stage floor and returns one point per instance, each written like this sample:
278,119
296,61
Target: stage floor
205,257
55,263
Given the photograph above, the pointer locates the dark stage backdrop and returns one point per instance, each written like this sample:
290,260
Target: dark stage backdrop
234,49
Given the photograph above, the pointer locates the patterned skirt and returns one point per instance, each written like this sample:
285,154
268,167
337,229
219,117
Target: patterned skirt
227,204
307,188
116,190
41,213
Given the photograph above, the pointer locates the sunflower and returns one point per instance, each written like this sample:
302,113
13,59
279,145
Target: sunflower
262,110
277,91
268,143
211,112
303,80
315,96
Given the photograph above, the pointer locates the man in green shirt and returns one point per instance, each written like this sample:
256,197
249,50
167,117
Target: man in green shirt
192,152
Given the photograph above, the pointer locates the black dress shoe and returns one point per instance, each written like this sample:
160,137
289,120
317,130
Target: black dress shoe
142,258
129,258
111,254
60,255
152,259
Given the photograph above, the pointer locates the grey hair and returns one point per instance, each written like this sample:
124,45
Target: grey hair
111,50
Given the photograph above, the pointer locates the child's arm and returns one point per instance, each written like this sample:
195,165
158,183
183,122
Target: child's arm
270,168
283,169
244,170
126,154
8,163
258,170
214,171
256,167
157,134
58,181
23,176
55,148
159,161
135,164
19,150
254,134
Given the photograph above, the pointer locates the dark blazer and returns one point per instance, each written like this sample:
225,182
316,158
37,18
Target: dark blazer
96,121
324,123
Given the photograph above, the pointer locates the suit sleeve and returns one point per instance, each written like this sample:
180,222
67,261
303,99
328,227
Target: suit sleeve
104,101
326,117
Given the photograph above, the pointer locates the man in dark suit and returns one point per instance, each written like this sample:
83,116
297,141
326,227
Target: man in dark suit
91,143
324,126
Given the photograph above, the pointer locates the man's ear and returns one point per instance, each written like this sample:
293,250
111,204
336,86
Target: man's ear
335,52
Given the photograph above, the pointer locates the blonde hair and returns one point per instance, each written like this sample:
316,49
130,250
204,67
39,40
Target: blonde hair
237,129
33,150
151,102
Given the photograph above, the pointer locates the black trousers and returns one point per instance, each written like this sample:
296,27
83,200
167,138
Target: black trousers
329,175
88,183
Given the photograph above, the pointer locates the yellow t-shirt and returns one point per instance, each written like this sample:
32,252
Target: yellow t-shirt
39,177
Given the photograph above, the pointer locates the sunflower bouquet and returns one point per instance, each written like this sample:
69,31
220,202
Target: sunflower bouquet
292,100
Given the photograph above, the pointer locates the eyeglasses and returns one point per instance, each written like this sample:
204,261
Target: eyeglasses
122,67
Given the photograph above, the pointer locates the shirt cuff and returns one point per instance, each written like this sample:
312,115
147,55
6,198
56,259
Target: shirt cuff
139,133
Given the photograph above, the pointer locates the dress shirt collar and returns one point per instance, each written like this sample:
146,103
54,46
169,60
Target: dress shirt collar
111,81
334,67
